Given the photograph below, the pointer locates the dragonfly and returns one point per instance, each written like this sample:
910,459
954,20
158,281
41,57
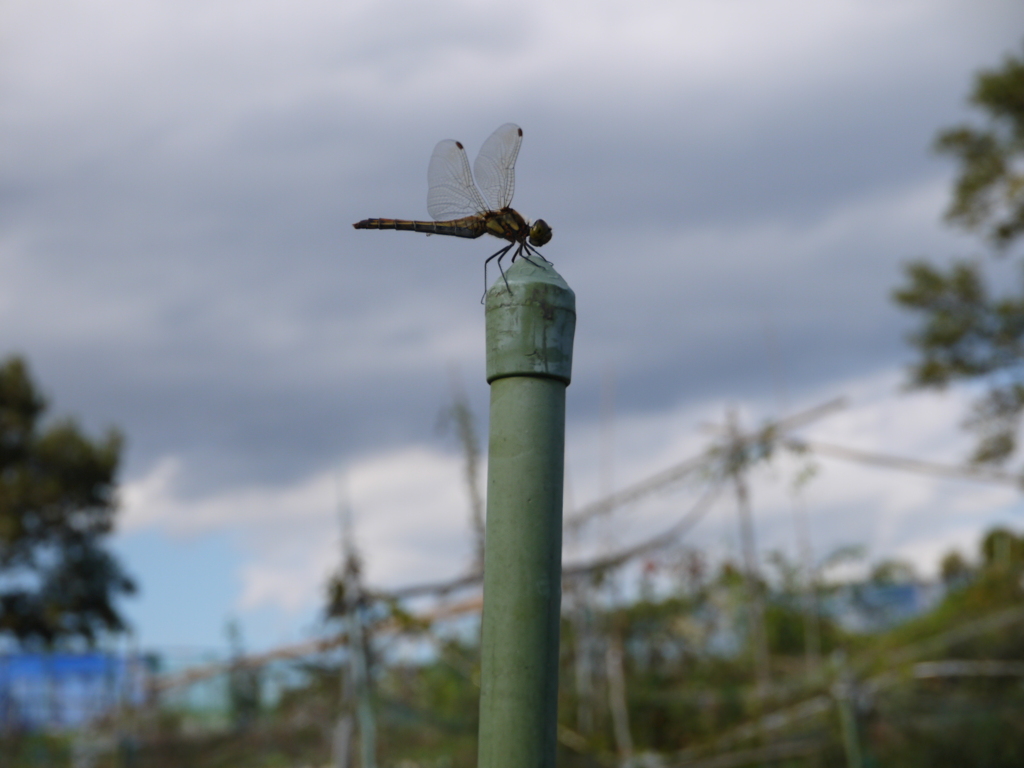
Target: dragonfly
461,207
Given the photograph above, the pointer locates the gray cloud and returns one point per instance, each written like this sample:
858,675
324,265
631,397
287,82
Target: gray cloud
177,190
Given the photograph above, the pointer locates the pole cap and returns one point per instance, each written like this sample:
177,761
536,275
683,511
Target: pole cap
530,329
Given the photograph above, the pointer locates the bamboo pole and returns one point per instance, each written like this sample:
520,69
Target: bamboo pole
842,692
751,573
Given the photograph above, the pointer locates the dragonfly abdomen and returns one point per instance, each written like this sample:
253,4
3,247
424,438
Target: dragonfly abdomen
470,227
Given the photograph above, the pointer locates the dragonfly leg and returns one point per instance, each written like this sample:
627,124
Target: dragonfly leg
525,249
499,256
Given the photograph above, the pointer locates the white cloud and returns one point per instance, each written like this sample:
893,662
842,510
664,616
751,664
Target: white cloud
893,513
409,513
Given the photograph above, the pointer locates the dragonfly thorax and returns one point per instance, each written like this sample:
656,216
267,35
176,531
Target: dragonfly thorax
509,224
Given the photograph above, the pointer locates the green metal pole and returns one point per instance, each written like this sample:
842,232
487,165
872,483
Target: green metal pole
529,363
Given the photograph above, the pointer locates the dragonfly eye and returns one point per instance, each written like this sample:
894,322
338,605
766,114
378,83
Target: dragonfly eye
540,233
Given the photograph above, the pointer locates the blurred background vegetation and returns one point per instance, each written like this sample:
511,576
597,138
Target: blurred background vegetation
666,680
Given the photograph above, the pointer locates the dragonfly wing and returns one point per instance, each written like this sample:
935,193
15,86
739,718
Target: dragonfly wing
495,166
451,193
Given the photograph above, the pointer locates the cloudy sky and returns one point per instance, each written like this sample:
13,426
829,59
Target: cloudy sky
733,187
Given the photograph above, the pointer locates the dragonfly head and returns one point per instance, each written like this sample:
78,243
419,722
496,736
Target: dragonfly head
540,233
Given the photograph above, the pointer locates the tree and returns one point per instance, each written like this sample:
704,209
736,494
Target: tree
966,333
1002,549
955,569
57,504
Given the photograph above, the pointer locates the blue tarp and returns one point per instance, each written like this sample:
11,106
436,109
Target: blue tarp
44,691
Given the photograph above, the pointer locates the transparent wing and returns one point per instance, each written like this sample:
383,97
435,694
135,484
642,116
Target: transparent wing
451,193
495,166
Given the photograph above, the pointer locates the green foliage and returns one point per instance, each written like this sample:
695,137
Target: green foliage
689,697
245,683
989,192
958,721
785,625
949,724
688,677
1002,549
955,569
57,503
34,750
430,710
995,585
966,333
